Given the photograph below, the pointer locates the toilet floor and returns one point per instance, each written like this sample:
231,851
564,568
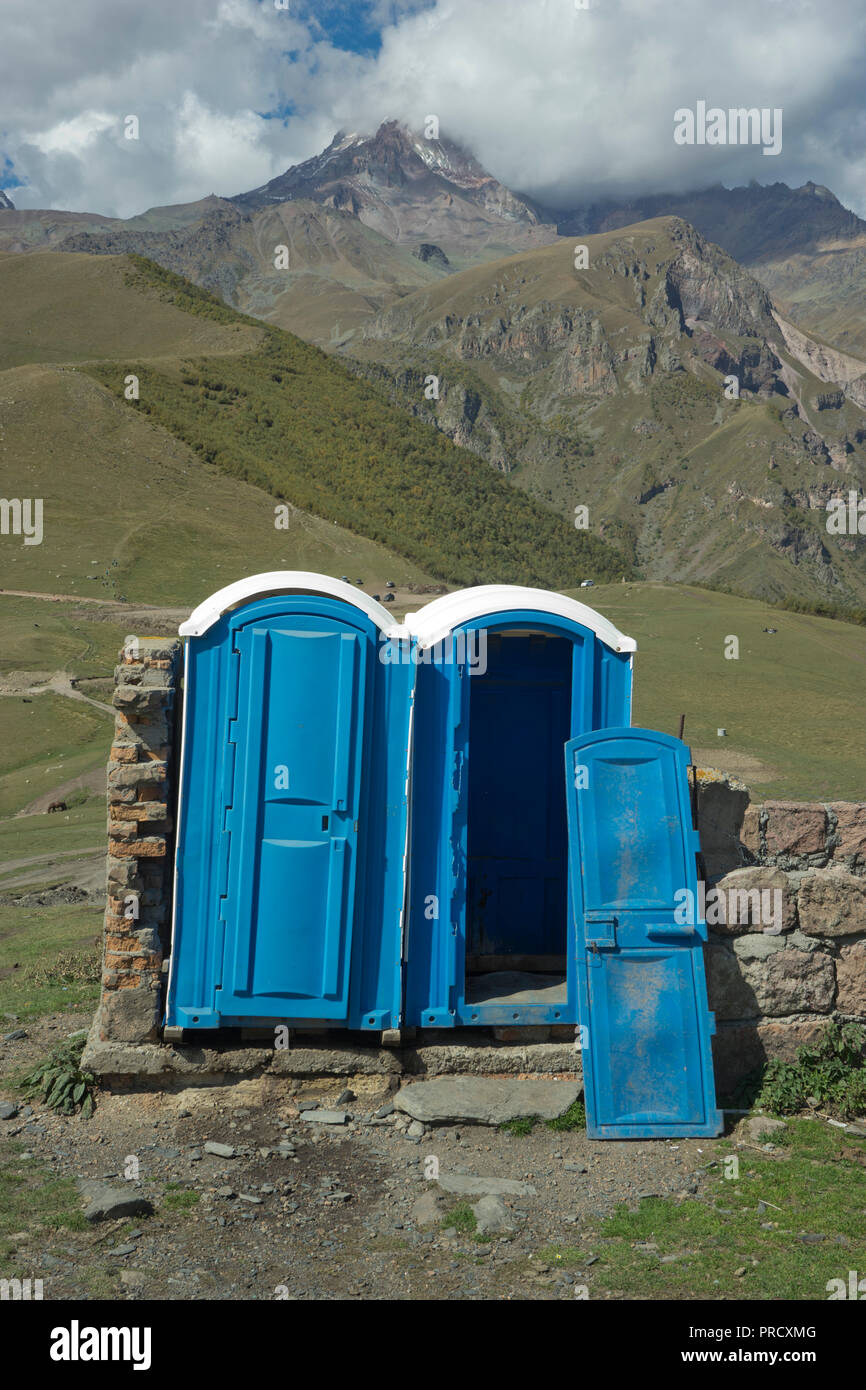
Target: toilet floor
516,987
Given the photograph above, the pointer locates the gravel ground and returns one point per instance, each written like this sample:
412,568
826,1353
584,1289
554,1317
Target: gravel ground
331,1215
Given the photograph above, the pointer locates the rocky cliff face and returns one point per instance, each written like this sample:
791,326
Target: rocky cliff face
801,243
211,251
608,387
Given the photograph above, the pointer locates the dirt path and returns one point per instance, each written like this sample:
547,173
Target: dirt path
20,684
322,1212
132,612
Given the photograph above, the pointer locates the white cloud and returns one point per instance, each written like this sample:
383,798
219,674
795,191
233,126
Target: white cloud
73,136
561,102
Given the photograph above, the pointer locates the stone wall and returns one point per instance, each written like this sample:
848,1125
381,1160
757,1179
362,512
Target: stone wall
772,986
775,980
141,809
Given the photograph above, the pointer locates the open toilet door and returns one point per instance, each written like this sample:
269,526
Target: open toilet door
642,998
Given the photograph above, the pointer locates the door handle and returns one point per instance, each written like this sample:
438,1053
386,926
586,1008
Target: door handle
670,930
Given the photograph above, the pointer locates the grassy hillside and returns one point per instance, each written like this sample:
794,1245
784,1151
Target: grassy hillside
130,511
792,704
339,273
59,308
290,420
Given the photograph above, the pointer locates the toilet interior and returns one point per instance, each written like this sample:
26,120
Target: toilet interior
517,840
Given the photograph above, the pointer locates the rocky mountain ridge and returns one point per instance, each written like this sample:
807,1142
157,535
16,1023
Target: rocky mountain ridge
607,387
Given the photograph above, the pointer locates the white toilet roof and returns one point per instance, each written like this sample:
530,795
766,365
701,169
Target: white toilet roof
282,582
431,624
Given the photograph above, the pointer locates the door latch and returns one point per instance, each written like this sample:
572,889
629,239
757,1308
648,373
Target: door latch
600,933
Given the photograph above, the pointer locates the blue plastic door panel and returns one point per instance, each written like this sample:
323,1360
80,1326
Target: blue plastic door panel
642,999
293,820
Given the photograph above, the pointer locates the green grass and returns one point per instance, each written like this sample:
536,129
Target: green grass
30,941
46,743
176,1199
32,1200
521,1127
460,1218
566,1256
86,454
810,1189
77,307
792,703
298,424
50,840
47,637
78,829
573,1118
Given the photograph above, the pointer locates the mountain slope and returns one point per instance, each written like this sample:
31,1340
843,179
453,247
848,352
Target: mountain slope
801,243
128,509
368,220
365,217
411,189
72,308
604,387
339,272
131,512
262,408
758,222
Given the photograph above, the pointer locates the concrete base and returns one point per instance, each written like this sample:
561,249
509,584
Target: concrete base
436,1053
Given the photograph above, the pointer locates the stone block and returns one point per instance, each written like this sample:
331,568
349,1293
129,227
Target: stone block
136,699
850,830
792,982
485,1100
141,774
751,897
728,992
149,847
141,811
795,828
129,1015
124,753
750,834
721,806
851,978
740,1048
832,902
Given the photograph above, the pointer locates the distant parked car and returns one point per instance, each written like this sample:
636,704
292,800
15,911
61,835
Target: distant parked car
587,584
389,583
376,598
389,598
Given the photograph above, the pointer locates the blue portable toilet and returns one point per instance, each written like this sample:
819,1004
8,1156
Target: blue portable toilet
375,828
292,821
506,676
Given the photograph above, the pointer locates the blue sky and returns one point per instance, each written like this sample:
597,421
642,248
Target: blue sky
354,28
563,103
